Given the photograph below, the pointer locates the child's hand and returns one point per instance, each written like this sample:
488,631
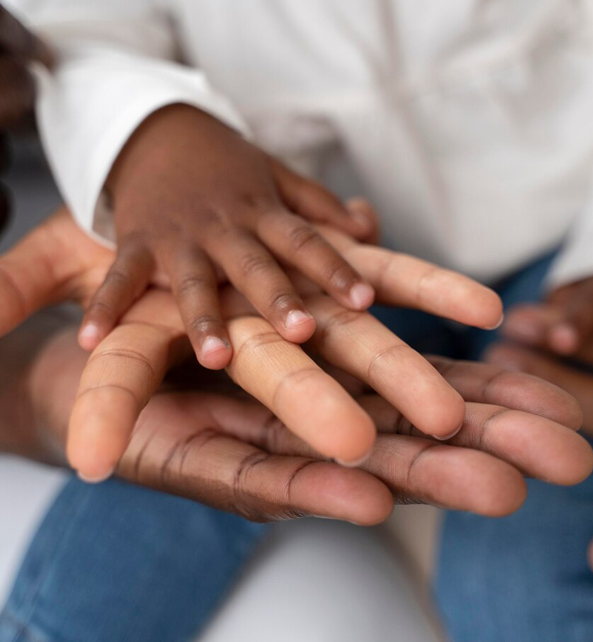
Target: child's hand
191,199
562,324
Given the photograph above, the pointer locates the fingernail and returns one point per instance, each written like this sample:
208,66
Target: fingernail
448,436
214,344
362,296
95,480
500,322
296,317
352,464
90,333
564,338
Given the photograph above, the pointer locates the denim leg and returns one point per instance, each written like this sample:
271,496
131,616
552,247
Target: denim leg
120,563
522,578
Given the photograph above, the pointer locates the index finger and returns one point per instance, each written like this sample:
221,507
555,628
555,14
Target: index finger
17,40
403,280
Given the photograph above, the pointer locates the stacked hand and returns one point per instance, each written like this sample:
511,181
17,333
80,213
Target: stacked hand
232,452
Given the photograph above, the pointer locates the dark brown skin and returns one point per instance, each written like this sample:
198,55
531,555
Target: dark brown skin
195,203
18,48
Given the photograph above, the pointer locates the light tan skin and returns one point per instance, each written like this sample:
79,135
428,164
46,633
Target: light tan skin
234,453
223,448
534,347
58,261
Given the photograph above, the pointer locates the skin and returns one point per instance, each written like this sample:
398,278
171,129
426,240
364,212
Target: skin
221,447
59,262
534,349
195,203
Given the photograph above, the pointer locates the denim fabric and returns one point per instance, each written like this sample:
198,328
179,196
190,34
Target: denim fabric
121,563
522,578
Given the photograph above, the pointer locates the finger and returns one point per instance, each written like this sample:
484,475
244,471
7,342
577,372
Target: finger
490,384
575,325
235,476
120,377
529,323
28,279
126,280
409,282
336,428
195,287
418,470
255,273
16,40
18,91
359,344
578,384
299,244
361,208
313,202
535,445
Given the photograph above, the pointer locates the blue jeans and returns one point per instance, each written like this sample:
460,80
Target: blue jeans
121,563
522,578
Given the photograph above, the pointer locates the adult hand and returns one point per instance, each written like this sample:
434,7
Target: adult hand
230,452
534,328
106,412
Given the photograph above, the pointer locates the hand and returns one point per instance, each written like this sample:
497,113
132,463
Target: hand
18,47
536,328
231,453
563,324
192,199
354,341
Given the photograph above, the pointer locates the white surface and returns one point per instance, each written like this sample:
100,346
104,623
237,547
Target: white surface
26,490
323,581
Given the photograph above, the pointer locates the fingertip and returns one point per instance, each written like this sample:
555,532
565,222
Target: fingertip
489,310
299,326
563,338
361,296
89,336
445,417
215,353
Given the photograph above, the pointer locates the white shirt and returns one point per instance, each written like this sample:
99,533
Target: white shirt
468,123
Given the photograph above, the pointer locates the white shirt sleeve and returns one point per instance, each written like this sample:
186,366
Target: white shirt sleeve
117,65
575,260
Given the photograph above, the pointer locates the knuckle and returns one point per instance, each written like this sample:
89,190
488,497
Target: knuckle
203,324
282,301
117,278
191,283
338,321
100,309
386,356
254,263
301,237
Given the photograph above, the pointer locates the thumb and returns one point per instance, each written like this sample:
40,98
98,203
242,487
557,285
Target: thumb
45,268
